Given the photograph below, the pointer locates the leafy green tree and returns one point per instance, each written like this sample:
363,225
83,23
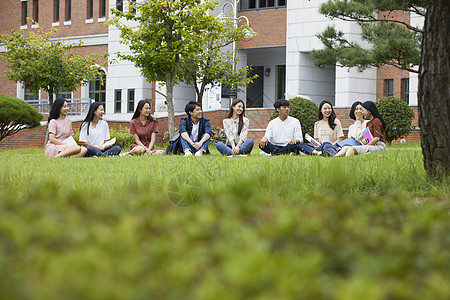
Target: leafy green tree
398,116
305,111
212,64
15,115
163,36
393,42
40,62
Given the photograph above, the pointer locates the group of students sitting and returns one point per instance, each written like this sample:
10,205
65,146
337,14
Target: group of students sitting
283,134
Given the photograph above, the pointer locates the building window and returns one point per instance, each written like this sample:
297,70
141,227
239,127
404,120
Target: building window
389,87
97,90
102,10
281,87
36,11
261,4
117,101
90,9
68,10
119,5
405,89
29,95
130,100
55,11
24,12
64,95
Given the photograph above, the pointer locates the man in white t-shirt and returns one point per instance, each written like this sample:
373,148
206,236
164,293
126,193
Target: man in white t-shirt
284,134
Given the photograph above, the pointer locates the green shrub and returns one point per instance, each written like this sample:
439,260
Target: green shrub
305,111
15,115
124,138
398,116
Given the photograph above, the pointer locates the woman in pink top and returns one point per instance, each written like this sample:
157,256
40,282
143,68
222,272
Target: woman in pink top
59,129
144,128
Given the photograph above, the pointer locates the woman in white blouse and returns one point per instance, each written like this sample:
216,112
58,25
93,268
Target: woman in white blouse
356,129
236,129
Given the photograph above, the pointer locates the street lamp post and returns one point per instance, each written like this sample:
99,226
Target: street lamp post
236,20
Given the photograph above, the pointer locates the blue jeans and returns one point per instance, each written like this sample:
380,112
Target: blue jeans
91,151
277,150
328,148
185,145
305,148
245,148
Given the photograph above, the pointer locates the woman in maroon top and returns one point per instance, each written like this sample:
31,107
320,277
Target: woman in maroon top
143,127
377,128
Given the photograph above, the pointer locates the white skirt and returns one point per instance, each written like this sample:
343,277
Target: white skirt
364,149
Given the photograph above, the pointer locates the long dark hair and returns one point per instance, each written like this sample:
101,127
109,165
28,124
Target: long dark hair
241,116
370,106
90,115
332,116
56,108
352,110
138,109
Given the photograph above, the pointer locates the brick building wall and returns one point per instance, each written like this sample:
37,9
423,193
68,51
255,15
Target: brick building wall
390,72
10,18
258,122
270,25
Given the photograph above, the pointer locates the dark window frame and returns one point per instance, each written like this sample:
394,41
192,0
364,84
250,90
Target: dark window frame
36,11
119,5
24,12
55,11
131,102
405,89
117,101
97,90
261,4
389,87
89,9
102,9
68,10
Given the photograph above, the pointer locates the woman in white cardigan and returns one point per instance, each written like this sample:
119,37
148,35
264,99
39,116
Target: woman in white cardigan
356,129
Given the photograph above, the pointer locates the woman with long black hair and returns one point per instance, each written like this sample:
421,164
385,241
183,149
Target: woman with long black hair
377,128
328,129
59,130
94,133
144,128
236,129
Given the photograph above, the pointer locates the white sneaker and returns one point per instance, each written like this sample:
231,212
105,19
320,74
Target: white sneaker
262,153
187,153
292,153
199,152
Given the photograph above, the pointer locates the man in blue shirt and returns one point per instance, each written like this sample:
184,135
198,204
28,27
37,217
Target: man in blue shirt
195,130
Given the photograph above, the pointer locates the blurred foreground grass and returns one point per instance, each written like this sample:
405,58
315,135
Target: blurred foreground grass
171,227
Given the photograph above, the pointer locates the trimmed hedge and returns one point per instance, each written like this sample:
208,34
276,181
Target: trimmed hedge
398,116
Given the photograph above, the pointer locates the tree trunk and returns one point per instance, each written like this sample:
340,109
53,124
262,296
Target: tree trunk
170,82
50,98
434,90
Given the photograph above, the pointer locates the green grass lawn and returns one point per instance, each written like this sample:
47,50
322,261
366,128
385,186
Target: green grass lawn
212,227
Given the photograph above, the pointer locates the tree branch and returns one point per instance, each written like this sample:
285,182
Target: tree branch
160,93
351,18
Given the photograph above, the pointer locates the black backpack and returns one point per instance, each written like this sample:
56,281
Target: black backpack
174,144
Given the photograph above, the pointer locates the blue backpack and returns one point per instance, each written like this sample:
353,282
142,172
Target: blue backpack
174,144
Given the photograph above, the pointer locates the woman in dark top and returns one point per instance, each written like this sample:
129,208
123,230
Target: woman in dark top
143,127
377,127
